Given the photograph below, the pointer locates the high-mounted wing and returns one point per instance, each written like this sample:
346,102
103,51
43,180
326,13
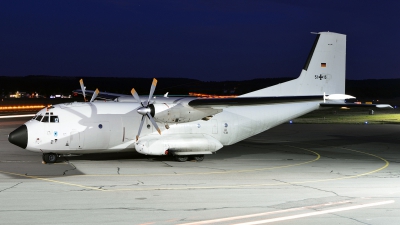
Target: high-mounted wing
185,109
102,95
246,101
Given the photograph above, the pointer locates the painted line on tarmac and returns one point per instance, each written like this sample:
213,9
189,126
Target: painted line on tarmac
209,173
317,213
318,156
225,186
266,184
258,185
130,175
50,180
263,214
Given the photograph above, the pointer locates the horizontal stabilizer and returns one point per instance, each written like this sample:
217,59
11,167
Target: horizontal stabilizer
352,105
338,97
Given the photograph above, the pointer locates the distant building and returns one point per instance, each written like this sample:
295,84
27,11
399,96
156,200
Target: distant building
23,94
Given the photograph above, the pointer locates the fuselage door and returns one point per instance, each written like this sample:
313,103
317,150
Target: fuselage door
76,140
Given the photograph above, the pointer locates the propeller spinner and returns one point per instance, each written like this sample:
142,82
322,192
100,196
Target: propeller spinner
145,109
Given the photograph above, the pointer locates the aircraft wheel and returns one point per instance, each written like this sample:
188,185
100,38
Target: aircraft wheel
181,158
49,157
198,158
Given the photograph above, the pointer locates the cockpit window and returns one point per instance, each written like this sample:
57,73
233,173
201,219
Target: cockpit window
54,119
45,119
48,117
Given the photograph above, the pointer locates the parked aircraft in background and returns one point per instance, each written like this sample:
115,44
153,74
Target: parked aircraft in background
185,126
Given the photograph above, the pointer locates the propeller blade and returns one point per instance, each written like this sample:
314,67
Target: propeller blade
140,128
154,123
96,92
152,89
83,89
135,95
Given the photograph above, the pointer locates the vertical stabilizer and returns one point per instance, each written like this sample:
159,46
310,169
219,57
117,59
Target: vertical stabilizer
324,70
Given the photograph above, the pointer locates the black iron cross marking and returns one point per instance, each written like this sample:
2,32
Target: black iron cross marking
320,77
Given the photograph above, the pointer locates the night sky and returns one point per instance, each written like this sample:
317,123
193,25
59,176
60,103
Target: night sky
205,40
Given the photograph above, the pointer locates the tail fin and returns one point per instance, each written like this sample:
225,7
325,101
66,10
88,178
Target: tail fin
324,70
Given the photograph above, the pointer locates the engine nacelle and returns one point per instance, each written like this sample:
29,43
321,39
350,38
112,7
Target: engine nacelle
174,110
182,144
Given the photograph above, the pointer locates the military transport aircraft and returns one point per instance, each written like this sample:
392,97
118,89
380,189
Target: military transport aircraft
187,127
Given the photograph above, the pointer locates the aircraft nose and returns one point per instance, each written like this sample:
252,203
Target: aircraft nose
19,137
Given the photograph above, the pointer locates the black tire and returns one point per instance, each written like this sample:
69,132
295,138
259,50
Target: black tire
49,157
198,158
181,158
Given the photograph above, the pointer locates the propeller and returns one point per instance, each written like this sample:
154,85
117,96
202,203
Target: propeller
83,88
145,109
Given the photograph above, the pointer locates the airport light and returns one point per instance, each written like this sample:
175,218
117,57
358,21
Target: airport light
21,107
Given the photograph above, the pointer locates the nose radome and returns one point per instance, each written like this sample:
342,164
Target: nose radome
19,137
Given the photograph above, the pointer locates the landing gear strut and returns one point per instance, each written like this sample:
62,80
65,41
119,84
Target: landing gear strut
49,157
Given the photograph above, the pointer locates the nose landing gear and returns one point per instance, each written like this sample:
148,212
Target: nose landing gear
49,157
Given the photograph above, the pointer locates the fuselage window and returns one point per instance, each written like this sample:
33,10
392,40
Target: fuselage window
45,119
54,119
39,118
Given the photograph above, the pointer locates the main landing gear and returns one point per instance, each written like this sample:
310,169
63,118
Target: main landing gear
184,158
198,158
49,157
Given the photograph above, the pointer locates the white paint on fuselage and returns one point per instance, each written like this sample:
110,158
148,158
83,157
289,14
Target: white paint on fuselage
78,130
